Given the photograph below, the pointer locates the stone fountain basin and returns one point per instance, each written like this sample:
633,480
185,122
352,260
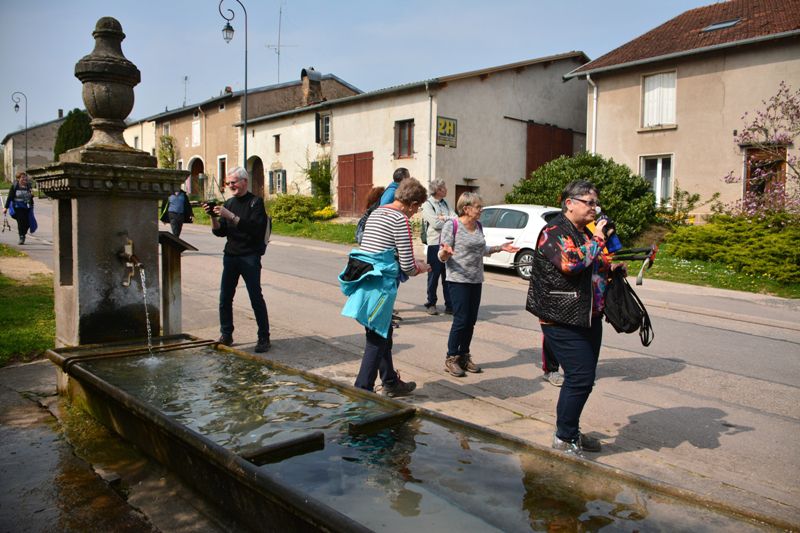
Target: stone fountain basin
285,450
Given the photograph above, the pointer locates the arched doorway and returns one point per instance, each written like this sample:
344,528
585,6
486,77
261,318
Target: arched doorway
257,175
197,186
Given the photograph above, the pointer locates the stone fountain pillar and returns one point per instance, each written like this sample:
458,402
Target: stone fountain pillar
105,213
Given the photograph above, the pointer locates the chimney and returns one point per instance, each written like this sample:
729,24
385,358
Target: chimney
60,113
228,89
312,86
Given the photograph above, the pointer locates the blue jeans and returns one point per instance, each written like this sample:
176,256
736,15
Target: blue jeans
377,358
249,268
466,298
438,271
577,351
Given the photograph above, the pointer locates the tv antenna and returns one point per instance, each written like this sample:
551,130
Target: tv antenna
185,89
277,47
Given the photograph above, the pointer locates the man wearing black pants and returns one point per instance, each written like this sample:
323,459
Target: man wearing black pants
243,221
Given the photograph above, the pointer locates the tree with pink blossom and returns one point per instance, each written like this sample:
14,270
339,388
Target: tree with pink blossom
773,183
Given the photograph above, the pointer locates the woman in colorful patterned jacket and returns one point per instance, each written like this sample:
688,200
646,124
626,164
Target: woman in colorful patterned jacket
568,284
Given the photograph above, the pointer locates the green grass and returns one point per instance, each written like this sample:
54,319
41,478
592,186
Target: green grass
322,231
26,312
8,251
694,272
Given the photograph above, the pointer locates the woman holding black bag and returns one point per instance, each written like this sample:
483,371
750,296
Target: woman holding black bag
569,279
20,202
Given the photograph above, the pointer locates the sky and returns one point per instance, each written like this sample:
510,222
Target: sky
372,44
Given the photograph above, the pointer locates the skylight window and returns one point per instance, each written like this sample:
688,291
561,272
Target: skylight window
721,25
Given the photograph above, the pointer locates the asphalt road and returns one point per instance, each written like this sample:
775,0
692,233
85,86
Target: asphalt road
710,406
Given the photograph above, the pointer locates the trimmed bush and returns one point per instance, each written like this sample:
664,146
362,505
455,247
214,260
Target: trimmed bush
293,208
625,196
757,247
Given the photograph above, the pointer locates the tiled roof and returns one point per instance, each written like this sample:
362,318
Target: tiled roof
684,35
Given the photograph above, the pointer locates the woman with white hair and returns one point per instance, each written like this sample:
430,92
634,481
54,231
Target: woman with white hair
462,249
435,213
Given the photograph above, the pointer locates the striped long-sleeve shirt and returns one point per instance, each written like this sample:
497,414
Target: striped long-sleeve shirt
389,228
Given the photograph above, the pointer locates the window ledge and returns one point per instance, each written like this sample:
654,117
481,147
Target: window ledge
663,127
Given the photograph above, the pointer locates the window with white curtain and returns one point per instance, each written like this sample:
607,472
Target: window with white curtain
658,100
658,171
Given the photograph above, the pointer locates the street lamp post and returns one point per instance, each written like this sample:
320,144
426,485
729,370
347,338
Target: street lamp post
15,97
227,34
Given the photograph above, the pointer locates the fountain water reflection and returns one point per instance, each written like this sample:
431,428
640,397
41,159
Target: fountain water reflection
424,474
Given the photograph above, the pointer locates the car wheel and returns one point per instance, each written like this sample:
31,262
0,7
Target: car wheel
524,262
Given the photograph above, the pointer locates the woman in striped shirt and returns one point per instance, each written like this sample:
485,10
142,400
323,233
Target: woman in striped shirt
388,228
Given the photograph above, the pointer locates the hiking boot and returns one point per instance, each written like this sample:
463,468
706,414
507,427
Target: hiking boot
571,448
452,364
398,388
225,340
589,444
431,310
468,365
263,345
555,378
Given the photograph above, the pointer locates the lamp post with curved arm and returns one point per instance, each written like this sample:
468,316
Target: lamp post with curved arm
15,97
227,34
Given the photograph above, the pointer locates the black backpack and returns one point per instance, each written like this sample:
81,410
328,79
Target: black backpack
624,310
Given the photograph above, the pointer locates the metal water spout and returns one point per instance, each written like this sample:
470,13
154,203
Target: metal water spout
131,262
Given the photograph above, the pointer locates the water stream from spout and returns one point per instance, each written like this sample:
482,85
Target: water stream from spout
146,313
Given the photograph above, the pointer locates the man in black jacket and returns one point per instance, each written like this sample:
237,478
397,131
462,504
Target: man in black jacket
243,221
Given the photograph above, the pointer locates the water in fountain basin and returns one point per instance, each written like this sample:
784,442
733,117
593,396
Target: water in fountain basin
422,475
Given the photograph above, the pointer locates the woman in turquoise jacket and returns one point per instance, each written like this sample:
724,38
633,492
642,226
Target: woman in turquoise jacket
370,282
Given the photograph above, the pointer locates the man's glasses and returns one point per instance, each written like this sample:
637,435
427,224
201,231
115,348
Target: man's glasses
590,203
231,183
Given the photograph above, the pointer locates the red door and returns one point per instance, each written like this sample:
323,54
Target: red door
545,143
354,182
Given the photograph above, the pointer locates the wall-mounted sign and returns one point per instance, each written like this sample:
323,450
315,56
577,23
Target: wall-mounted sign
446,131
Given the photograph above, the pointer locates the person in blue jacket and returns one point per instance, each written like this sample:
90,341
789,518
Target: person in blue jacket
370,282
399,175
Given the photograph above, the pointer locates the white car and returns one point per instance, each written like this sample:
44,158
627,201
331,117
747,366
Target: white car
520,223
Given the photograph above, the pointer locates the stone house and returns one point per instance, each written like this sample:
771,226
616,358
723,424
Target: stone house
41,139
482,130
670,103
206,141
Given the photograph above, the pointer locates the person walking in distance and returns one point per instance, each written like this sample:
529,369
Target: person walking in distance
177,210
20,197
242,220
435,213
568,283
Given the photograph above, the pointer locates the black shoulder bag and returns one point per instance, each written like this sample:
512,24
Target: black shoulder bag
624,310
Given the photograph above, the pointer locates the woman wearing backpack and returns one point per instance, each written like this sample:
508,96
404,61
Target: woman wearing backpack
20,197
462,248
569,278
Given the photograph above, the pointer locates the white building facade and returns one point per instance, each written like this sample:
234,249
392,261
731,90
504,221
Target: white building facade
481,131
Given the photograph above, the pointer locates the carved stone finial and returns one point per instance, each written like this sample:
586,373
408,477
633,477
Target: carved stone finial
108,80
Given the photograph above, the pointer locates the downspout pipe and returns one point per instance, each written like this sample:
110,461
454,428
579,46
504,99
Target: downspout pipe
432,128
594,113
